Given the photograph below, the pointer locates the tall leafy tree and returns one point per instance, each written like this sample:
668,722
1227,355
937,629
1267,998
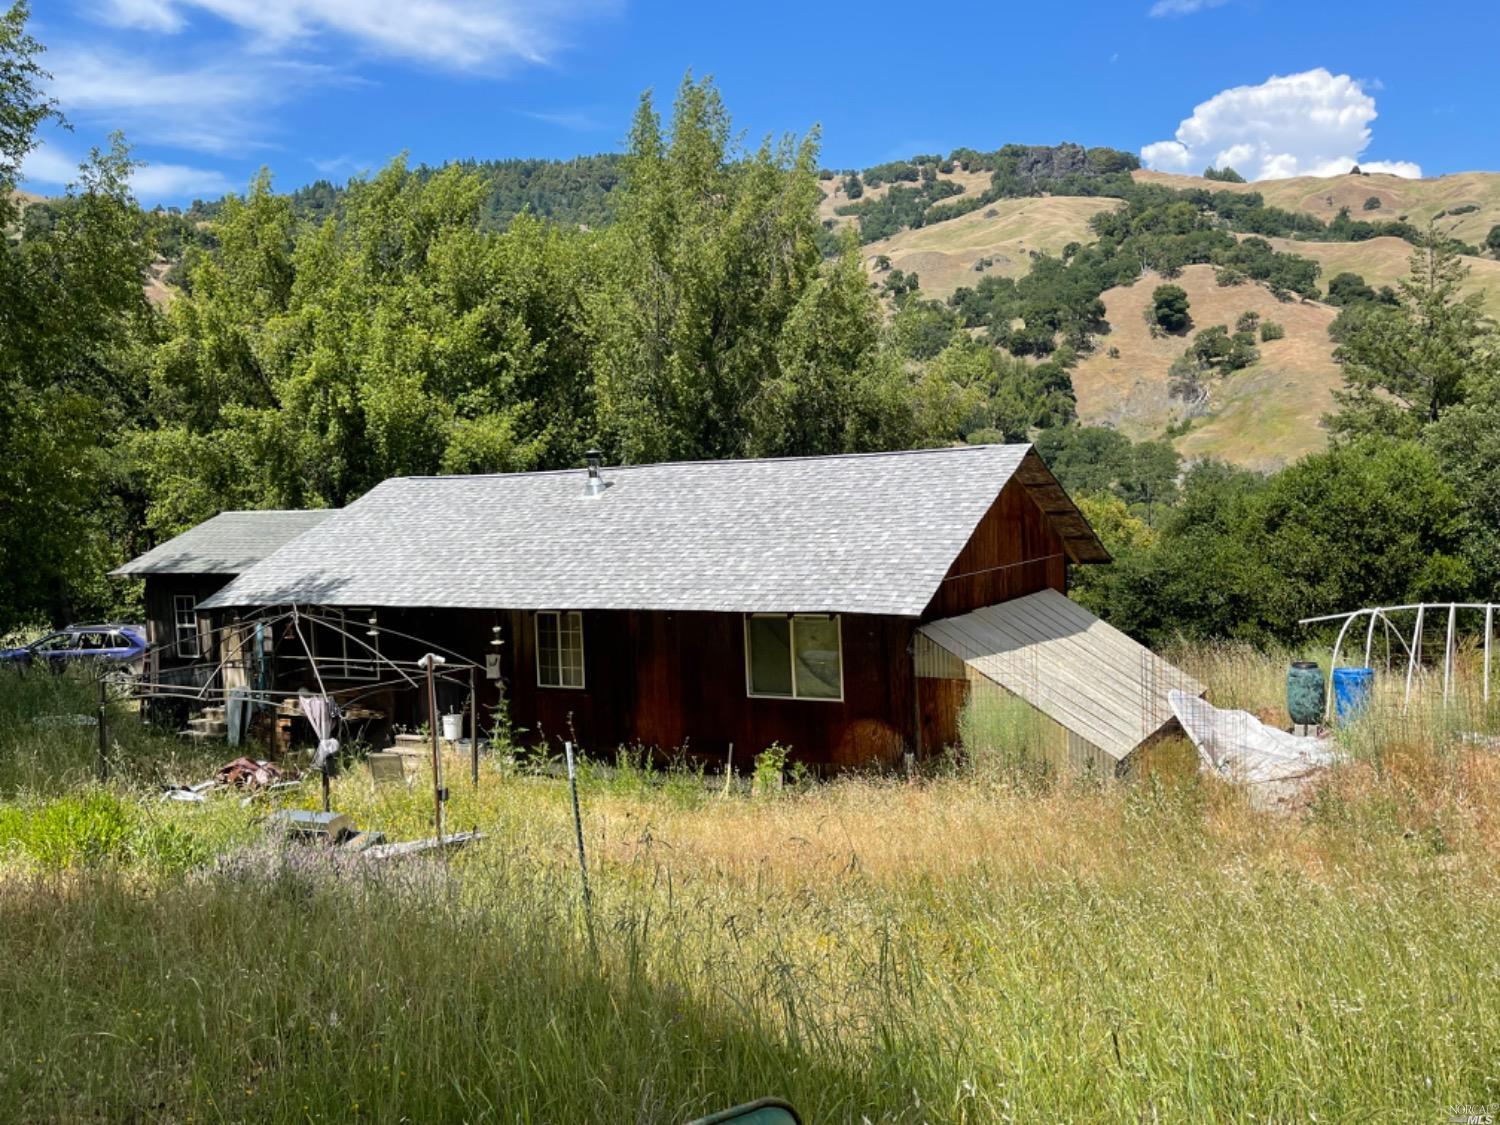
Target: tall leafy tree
712,254
72,310
308,363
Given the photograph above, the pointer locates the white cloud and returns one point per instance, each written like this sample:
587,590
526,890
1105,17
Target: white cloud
333,165
1309,124
213,107
1182,7
151,15
49,166
179,181
574,120
450,33
46,165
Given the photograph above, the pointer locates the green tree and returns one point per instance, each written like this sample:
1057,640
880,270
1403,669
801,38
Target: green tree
1169,308
72,313
308,363
713,251
1348,289
833,388
1492,240
1466,442
1405,367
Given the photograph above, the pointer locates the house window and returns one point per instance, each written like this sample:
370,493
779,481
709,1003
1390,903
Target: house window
559,648
794,656
342,647
185,621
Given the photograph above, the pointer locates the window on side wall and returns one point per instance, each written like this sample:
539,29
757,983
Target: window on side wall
185,622
794,656
559,648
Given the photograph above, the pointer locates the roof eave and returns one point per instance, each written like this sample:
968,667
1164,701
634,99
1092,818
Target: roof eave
1080,541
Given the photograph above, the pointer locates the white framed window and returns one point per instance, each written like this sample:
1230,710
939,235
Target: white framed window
342,647
559,648
794,656
185,625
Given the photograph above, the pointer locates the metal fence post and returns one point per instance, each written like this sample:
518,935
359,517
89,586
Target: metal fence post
103,727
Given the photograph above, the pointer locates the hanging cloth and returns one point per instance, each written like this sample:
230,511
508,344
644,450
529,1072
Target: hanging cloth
321,713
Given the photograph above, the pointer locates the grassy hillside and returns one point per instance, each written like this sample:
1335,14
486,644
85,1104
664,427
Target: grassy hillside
1007,233
1416,201
1383,261
1262,416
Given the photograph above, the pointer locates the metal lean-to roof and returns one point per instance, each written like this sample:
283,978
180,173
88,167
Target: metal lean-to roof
229,543
1083,674
859,533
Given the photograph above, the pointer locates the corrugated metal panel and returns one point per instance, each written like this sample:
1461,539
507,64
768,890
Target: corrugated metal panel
1085,675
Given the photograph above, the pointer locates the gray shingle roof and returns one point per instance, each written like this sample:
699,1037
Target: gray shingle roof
230,543
871,533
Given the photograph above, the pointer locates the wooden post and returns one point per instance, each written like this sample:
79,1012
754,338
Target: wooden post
916,701
103,726
473,727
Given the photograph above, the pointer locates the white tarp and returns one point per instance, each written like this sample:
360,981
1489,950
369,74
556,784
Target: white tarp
1238,746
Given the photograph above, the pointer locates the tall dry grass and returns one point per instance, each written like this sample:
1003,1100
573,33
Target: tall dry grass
967,947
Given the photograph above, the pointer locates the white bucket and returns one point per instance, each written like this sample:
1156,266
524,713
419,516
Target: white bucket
453,727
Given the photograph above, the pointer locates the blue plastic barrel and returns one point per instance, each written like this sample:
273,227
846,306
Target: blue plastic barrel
1351,690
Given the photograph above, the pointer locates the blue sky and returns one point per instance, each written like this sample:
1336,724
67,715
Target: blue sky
210,90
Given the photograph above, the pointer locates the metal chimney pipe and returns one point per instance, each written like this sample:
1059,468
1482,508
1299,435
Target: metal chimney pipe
596,484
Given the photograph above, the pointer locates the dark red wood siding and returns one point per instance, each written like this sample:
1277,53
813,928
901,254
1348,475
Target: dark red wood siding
1013,552
676,681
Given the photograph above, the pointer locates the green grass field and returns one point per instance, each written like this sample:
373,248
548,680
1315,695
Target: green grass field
979,945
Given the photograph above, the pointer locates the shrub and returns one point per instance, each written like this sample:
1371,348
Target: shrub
1271,330
1373,203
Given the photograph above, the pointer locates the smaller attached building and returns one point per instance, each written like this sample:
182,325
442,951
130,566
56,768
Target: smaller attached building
185,571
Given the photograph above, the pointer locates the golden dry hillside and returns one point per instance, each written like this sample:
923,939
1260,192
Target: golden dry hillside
1383,261
1265,415
1416,201
1007,233
1261,417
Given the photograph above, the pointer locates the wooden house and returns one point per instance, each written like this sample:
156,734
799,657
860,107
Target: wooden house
699,605
180,574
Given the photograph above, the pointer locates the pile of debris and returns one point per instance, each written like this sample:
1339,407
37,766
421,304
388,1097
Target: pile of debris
249,775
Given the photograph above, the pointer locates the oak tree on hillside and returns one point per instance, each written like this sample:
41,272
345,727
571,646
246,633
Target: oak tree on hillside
1169,308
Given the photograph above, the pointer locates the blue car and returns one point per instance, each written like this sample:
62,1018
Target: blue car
106,644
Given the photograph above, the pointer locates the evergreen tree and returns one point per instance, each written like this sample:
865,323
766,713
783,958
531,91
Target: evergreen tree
1405,367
